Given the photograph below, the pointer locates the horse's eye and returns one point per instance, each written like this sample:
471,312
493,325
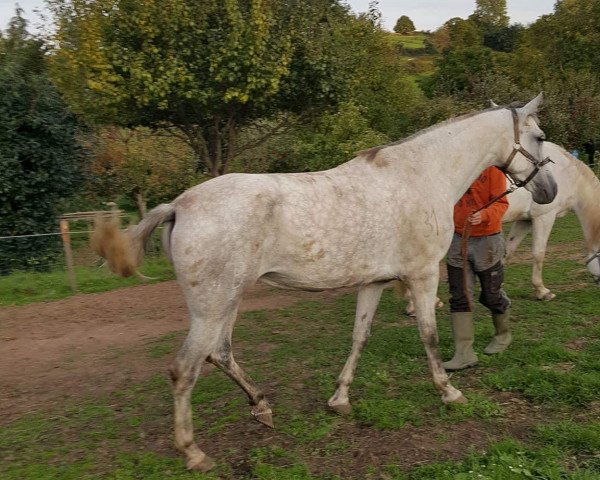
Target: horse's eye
541,138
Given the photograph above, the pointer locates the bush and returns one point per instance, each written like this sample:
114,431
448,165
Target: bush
39,154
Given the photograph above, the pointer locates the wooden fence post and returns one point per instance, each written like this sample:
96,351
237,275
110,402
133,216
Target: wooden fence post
66,239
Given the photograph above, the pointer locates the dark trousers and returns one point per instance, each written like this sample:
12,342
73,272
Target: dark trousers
492,295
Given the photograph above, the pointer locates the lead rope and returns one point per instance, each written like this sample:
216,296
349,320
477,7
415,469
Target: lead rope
464,242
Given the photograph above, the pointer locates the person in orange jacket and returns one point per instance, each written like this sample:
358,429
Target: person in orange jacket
485,252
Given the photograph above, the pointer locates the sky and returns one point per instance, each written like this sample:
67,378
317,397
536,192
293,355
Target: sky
425,14
431,14
7,11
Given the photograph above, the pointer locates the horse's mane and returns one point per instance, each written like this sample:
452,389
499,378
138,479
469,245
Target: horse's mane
589,196
585,171
372,152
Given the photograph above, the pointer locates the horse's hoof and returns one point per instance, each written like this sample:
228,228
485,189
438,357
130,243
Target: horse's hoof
203,465
547,297
343,409
461,400
263,415
455,396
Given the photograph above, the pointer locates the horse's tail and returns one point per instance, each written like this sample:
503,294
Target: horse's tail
124,251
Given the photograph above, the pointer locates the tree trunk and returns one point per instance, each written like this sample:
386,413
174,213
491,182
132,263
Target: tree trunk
229,133
213,146
140,202
221,145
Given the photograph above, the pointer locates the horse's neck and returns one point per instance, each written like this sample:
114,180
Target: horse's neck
587,206
455,153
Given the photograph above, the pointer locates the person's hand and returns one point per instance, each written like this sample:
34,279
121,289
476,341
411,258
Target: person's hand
475,218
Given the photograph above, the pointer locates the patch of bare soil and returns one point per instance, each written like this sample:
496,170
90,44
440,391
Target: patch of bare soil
553,252
96,343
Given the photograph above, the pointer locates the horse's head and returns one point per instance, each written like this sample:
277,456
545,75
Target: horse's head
525,164
593,265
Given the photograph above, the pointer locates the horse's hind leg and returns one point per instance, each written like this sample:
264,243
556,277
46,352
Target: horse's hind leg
222,357
518,231
184,372
367,301
403,291
209,319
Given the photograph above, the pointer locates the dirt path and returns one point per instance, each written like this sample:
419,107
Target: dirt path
50,352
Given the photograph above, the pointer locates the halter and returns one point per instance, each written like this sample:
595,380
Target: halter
518,148
595,256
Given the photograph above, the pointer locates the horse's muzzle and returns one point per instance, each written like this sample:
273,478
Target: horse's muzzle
545,192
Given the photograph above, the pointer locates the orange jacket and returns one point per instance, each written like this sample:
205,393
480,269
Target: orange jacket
490,183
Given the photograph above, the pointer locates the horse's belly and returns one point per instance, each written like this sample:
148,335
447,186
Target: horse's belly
317,279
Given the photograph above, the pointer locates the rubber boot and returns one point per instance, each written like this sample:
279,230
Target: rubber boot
503,337
462,329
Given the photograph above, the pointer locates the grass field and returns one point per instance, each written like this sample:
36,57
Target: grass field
22,288
412,42
534,411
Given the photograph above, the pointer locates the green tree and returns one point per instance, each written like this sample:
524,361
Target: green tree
535,49
202,70
503,39
463,33
148,166
332,139
500,87
379,83
490,13
460,71
560,53
569,39
378,107
404,25
39,156
572,111
440,39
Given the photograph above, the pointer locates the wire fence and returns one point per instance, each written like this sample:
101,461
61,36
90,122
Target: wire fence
49,253
79,240
32,235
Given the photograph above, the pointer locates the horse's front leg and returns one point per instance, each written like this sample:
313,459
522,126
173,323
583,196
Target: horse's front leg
424,295
542,226
367,301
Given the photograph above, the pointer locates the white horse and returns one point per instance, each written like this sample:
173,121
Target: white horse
386,214
578,190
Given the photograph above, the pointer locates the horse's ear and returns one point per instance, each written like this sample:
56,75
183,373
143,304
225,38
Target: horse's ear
493,104
532,107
